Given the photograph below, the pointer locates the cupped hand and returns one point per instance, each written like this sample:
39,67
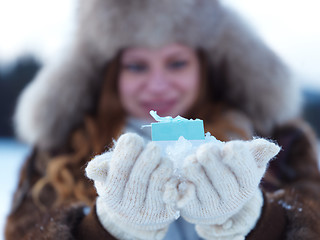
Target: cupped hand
130,181
221,194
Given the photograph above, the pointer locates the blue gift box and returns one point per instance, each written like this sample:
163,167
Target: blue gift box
170,129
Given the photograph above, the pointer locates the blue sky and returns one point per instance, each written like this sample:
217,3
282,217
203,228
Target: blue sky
43,27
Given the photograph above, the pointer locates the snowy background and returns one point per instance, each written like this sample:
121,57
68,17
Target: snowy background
42,28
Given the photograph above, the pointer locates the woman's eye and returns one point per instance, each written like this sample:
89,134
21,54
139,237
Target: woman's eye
137,68
176,65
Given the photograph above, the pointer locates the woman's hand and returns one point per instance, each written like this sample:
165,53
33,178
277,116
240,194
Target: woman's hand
222,196
130,181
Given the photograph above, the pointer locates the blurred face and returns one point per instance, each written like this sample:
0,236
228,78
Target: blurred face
165,79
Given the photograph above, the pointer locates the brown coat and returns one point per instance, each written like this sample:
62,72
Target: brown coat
291,191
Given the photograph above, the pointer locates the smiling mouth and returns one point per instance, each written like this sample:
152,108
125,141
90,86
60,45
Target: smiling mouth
162,107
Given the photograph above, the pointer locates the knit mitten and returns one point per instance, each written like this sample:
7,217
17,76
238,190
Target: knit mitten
130,181
238,225
221,194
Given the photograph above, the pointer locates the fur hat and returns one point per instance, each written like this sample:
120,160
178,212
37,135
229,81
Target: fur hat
57,99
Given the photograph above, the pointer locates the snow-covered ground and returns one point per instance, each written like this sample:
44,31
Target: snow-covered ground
12,155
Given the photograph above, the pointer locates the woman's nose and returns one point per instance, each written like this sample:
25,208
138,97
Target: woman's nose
158,82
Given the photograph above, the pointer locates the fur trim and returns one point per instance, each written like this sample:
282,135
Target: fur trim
56,101
61,94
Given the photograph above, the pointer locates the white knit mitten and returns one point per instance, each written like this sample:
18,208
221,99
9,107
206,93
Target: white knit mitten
222,196
130,181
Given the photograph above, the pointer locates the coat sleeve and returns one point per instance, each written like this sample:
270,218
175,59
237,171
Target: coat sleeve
291,213
293,210
298,159
29,221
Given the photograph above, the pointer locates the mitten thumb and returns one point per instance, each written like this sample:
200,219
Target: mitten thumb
263,151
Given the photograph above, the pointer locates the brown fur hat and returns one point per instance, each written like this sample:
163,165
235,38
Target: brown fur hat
63,91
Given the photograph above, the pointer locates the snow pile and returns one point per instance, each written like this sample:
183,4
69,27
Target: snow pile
177,151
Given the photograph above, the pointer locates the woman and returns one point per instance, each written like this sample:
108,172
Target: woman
193,58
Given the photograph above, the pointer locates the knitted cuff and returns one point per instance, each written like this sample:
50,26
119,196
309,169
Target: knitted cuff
124,231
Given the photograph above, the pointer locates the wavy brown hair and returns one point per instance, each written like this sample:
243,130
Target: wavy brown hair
64,174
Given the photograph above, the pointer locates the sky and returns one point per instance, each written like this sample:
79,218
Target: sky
39,27
291,28
43,27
